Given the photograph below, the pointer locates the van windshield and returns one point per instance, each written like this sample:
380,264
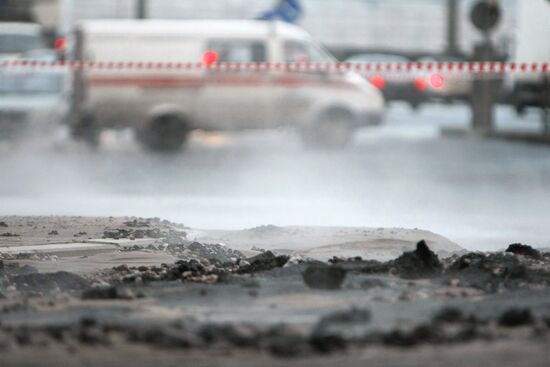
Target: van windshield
305,52
20,43
30,83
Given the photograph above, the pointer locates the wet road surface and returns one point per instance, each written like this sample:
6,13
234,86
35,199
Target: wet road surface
480,194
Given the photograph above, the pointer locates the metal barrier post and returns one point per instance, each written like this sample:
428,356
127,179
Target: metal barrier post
483,95
546,104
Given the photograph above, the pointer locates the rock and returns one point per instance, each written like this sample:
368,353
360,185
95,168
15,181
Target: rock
285,341
490,272
212,252
263,262
49,281
336,260
3,225
9,234
418,335
324,277
147,233
335,331
15,269
524,250
122,268
116,234
516,317
53,233
104,292
288,346
240,335
349,317
136,223
163,337
420,263
449,315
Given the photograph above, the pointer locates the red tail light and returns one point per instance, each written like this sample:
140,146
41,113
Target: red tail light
378,81
60,44
209,58
420,84
437,81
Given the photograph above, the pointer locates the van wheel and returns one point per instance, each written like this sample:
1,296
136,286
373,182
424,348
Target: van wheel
164,134
87,131
333,130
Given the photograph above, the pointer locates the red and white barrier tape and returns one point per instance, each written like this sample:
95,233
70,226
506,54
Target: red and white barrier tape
368,68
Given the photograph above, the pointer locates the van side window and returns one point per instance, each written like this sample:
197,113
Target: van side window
301,52
239,51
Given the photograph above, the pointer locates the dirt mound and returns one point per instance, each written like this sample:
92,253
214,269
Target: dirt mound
421,263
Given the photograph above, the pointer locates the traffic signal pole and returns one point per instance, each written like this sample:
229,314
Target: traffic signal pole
452,27
485,16
141,9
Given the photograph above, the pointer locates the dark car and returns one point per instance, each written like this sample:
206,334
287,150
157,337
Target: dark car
396,86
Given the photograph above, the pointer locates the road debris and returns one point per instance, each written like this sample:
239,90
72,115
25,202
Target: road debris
420,263
211,298
524,250
324,277
263,262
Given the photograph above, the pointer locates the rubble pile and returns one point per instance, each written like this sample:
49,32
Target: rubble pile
421,263
198,251
491,272
27,279
216,267
203,271
182,270
132,234
518,267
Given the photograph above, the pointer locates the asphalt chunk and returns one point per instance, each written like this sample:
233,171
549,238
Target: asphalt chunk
421,263
324,277
524,250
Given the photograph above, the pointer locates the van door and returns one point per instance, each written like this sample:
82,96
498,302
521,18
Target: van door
237,99
299,90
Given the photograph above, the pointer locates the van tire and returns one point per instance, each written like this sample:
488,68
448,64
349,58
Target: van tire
87,131
332,131
165,133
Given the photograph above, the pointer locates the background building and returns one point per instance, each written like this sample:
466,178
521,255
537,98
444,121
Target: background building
409,26
403,25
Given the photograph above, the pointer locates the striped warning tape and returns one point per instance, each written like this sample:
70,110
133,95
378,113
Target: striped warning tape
381,67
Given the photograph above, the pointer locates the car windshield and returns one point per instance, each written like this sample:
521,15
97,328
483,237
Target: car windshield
20,43
30,83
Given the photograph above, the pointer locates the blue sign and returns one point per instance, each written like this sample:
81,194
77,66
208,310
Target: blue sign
287,10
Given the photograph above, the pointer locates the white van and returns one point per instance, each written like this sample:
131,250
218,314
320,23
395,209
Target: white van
163,105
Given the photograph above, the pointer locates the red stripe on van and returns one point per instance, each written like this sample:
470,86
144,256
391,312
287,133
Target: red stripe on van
147,81
237,80
158,81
